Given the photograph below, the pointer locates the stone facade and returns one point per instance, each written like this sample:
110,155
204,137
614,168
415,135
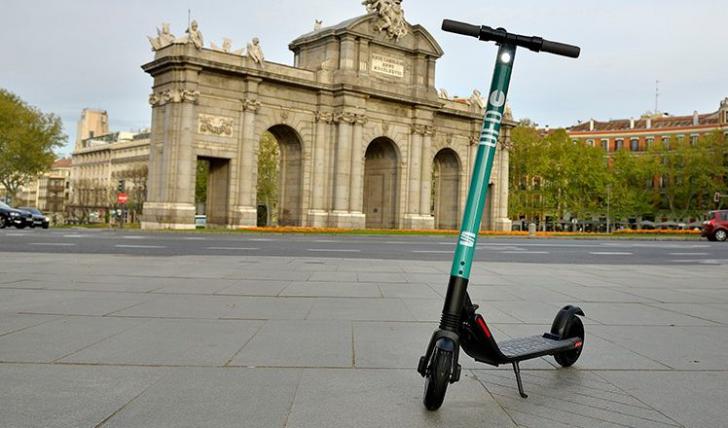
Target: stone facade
100,162
50,192
360,126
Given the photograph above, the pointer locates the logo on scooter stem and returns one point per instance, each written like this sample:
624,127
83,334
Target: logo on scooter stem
491,127
497,98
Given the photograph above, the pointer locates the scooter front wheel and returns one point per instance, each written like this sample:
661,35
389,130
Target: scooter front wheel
438,376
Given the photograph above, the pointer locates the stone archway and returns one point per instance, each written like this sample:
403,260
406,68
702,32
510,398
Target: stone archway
290,176
446,189
381,182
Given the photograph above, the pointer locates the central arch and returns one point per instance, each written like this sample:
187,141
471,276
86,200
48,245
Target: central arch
289,185
446,189
381,181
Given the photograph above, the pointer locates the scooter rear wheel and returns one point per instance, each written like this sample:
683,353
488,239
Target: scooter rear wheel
437,378
576,329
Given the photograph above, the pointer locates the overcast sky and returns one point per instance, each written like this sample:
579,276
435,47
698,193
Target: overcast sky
62,56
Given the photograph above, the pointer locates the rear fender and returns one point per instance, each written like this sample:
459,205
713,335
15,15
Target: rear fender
563,319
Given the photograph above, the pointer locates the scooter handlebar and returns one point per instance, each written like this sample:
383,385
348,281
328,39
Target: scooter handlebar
461,28
500,35
561,49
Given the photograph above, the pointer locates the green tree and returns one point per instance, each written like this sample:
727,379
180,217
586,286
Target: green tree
27,140
201,176
267,189
526,167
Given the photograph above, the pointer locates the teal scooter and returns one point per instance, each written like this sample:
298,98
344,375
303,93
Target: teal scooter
460,324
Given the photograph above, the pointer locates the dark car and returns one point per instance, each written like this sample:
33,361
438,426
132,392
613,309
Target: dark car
39,219
9,216
715,228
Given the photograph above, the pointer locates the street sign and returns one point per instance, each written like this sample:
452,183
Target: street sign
122,198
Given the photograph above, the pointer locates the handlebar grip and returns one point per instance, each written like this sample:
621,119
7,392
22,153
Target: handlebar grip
561,49
460,28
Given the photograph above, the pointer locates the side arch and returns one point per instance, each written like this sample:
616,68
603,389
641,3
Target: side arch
446,172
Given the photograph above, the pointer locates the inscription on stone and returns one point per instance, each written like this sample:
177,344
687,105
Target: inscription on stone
387,65
215,125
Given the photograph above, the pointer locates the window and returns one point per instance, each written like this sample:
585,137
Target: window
619,144
666,142
650,142
694,139
724,216
634,145
605,144
590,143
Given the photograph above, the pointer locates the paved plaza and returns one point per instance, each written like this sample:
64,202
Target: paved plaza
124,340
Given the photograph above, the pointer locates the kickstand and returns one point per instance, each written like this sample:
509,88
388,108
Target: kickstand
517,370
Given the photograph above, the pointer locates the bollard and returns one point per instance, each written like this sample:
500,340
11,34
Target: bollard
532,230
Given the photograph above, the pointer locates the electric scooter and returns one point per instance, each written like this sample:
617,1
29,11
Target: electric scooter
460,324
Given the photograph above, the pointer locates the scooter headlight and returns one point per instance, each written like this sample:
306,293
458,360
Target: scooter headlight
14,214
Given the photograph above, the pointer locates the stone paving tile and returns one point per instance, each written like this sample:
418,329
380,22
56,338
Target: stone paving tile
266,308
331,289
181,306
388,398
694,400
360,310
254,287
715,312
638,314
391,277
338,277
390,344
10,322
408,291
57,396
283,343
210,397
85,303
171,342
56,339
684,348
571,397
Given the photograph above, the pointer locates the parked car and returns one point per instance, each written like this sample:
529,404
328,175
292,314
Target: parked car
39,219
715,228
9,216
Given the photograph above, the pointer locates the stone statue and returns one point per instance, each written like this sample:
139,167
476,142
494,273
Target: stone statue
442,93
476,99
227,45
508,113
164,38
317,24
391,16
255,52
194,36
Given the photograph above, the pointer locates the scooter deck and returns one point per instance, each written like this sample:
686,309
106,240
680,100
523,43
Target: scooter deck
526,348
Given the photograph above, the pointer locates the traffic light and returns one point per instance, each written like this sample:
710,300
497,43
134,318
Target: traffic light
121,186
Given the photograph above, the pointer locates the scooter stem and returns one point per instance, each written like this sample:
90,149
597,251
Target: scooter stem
465,250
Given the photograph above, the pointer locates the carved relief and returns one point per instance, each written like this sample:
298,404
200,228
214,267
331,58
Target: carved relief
215,125
174,95
345,117
423,130
251,105
324,116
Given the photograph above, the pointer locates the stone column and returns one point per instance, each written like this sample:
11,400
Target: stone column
341,216
415,170
172,191
501,220
420,144
317,215
357,166
246,211
427,155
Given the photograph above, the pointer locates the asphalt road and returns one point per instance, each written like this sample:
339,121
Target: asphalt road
440,248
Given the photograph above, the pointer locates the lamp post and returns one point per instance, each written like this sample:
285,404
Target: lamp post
609,191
